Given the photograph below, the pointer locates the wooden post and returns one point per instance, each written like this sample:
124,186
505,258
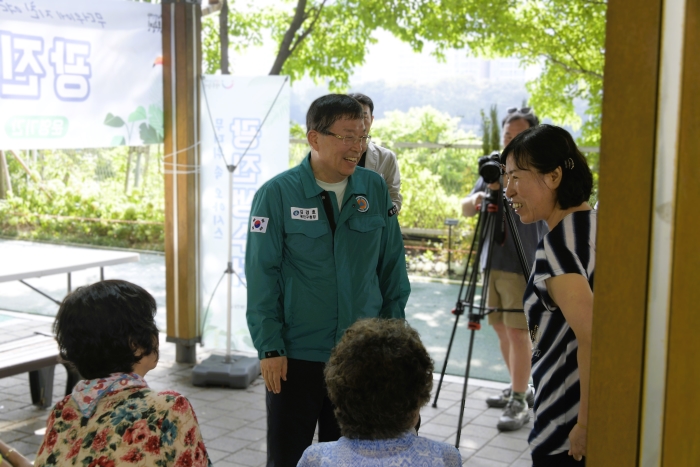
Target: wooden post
681,443
624,231
181,72
644,363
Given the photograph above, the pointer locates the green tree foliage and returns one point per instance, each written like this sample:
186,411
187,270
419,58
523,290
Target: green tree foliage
433,180
246,28
326,39
317,38
565,37
425,203
490,131
86,190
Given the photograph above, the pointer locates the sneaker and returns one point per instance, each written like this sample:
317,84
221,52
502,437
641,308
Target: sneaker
514,417
501,400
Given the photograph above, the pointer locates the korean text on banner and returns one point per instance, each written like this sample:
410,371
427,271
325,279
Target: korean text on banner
238,107
80,74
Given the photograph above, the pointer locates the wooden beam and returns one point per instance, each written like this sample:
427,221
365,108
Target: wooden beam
681,438
182,69
627,155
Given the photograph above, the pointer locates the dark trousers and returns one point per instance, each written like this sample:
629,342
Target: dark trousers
293,413
558,460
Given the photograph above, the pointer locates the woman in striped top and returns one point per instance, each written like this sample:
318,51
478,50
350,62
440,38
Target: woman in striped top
549,179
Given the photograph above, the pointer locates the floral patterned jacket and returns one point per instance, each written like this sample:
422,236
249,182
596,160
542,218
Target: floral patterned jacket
128,426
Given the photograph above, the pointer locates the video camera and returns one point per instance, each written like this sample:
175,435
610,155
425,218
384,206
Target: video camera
490,167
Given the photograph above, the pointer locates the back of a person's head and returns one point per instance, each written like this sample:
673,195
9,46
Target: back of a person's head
379,376
364,100
524,113
106,327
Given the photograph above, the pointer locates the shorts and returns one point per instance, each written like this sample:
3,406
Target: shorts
506,291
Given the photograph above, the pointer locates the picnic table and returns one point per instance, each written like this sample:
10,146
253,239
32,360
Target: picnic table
25,260
38,354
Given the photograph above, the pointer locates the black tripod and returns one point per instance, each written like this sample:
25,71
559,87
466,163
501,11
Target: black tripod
486,228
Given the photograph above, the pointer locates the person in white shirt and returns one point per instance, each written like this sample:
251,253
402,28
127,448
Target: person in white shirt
377,158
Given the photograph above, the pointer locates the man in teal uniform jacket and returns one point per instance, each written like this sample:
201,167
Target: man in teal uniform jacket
324,250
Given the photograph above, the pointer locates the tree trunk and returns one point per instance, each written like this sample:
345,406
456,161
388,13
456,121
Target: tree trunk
495,129
37,179
286,45
146,157
128,171
137,169
223,37
5,182
485,133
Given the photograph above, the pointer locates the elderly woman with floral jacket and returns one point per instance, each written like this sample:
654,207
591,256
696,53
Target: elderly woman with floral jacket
112,418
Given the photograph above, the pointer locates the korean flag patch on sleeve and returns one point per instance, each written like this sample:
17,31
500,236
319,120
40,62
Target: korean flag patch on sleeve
259,224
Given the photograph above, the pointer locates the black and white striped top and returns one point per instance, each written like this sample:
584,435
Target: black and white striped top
568,248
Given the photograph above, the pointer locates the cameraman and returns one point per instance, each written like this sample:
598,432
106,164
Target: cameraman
506,288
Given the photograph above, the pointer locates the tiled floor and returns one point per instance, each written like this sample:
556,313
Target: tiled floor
233,421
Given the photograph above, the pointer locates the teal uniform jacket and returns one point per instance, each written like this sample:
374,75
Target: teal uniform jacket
306,285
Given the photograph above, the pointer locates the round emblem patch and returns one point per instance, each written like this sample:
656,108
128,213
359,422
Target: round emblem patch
362,204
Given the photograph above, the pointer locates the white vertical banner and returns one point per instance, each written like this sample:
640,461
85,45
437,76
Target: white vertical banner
244,122
80,74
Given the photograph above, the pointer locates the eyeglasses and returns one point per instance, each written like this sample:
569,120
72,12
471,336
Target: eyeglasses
523,110
351,140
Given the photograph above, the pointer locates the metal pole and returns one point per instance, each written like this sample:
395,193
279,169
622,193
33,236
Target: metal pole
40,292
229,269
449,250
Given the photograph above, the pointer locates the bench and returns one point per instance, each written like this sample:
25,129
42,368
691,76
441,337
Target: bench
38,355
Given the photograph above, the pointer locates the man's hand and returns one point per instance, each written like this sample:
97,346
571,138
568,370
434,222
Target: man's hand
479,197
577,438
470,203
273,369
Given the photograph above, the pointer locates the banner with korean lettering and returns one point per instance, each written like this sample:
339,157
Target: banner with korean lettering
80,74
235,132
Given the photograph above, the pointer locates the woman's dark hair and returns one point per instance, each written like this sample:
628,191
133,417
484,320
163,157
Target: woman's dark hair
326,110
378,376
100,327
546,147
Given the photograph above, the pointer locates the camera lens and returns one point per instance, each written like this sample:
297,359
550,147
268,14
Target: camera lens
490,172
490,167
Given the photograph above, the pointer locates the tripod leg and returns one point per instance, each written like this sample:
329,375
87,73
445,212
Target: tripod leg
473,261
447,357
464,389
469,293
488,233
